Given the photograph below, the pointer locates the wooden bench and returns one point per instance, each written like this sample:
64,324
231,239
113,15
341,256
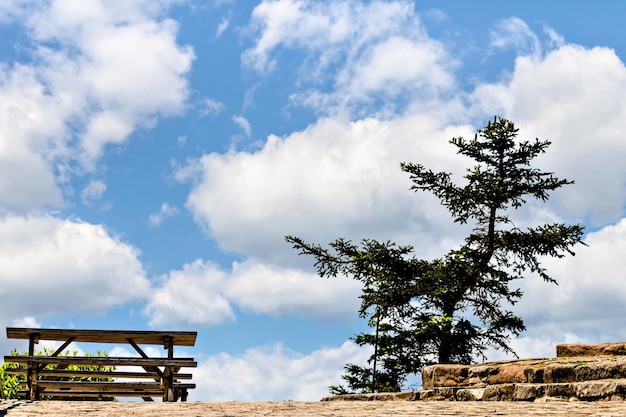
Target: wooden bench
49,376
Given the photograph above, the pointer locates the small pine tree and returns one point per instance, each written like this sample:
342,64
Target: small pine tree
452,309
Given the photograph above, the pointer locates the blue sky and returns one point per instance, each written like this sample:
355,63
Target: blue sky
153,154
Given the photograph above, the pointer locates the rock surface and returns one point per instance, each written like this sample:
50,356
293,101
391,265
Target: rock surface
578,373
310,409
605,349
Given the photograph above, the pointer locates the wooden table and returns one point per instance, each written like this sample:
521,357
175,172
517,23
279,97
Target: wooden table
49,375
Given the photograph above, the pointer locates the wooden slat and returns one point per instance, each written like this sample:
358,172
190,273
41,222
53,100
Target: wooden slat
103,360
95,374
106,386
142,337
106,394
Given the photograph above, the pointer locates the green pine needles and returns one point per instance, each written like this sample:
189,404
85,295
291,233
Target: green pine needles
451,309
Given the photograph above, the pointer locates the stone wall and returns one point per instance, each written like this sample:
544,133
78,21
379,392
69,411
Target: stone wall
578,373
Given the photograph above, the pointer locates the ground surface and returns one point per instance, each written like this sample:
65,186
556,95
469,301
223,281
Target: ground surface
306,409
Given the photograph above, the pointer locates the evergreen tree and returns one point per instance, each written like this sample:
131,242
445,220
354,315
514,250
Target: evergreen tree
452,309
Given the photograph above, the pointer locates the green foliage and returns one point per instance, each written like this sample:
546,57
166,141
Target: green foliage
452,309
11,383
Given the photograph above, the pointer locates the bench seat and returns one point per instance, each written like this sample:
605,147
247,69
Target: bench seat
102,360
107,386
64,373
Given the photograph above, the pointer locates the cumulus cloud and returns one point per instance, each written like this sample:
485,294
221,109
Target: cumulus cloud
91,82
592,287
28,122
572,96
193,295
268,373
119,54
353,47
93,192
73,267
204,294
276,291
336,178
27,321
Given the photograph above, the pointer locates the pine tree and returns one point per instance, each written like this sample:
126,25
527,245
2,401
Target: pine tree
452,309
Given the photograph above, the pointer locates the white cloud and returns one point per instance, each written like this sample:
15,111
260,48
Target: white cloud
92,77
273,374
354,47
28,121
276,291
514,33
222,27
164,212
572,96
205,294
210,107
73,267
244,124
27,321
93,192
333,179
398,63
591,294
193,295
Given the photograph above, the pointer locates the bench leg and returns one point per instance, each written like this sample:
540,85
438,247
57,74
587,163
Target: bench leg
33,392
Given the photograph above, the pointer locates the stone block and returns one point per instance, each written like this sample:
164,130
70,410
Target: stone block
508,374
438,394
559,372
561,390
595,390
607,369
528,392
534,375
470,394
444,376
605,349
502,392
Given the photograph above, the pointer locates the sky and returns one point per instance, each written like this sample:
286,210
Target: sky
154,154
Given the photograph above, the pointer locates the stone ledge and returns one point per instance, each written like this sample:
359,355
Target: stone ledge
605,349
578,373
604,390
525,371
377,396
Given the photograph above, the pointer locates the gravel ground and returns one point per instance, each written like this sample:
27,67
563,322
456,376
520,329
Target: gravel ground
306,409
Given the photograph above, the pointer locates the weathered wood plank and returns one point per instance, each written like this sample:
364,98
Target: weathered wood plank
103,361
102,386
106,394
147,337
95,374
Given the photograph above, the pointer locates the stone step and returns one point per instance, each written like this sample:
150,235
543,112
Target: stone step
604,349
579,372
602,390
527,371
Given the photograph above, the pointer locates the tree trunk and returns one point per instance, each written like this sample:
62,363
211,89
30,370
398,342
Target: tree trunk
446,339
